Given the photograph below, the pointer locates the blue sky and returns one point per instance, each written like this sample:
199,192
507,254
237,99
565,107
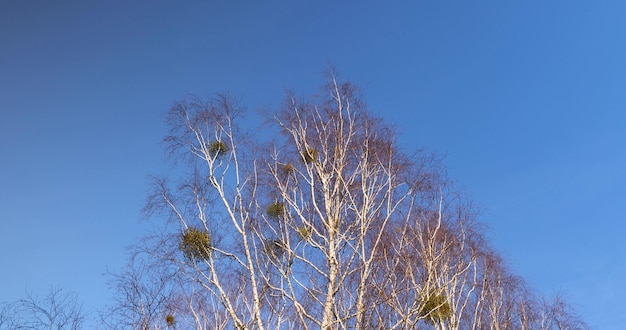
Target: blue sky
525,98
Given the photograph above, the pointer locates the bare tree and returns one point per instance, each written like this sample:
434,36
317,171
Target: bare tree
58,309
143,297
331,226
557,314
7,318
154,292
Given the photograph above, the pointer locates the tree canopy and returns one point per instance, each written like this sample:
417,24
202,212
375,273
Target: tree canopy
330,224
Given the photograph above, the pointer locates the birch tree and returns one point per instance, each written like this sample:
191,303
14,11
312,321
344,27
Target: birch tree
329,225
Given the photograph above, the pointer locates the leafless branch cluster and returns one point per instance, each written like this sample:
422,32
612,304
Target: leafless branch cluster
58,309
331,226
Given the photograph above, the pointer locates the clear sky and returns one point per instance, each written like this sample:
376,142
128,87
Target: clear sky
526,98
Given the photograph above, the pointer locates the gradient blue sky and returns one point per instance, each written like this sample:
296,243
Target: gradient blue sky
526,98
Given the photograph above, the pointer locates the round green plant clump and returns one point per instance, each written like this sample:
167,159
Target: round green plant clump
276,210
288,169
309,155
436,309
170,320
218,148
195,244
304,233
